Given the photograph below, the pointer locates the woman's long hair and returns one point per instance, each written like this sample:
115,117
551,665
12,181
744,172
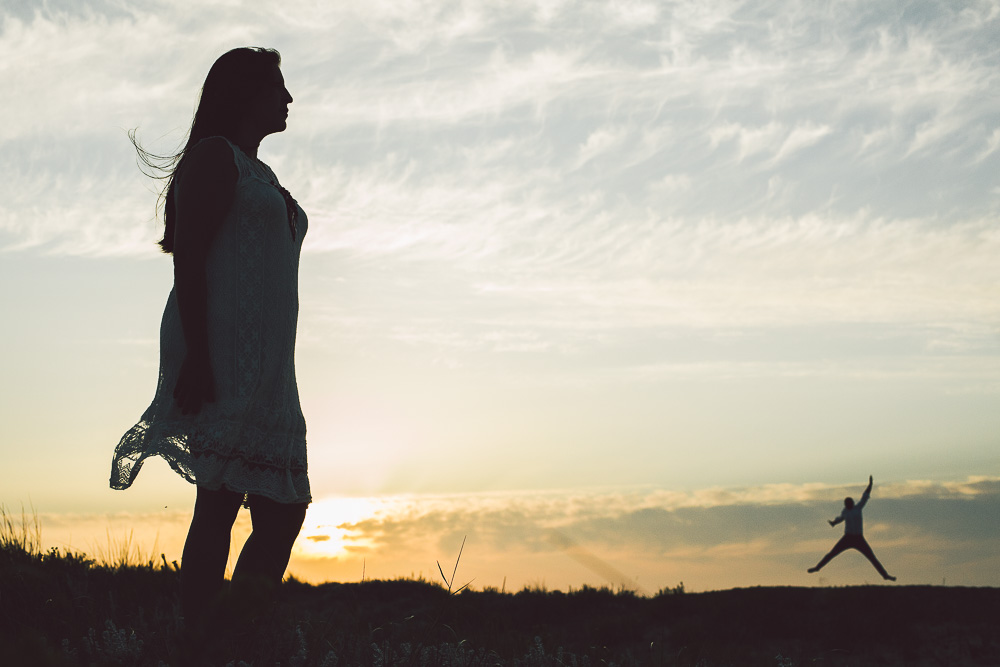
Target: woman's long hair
231,84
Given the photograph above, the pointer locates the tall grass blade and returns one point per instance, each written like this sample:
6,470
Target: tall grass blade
460,549
442,574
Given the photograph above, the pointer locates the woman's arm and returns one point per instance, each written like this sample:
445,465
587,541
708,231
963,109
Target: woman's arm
205,189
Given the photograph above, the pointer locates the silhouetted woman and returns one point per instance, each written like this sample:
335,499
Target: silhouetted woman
854,537
226,413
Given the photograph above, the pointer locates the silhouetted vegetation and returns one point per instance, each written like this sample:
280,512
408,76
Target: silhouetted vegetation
62,608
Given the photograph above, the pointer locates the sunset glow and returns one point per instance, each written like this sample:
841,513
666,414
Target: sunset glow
328,533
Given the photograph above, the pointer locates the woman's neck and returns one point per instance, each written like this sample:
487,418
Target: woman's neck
248,141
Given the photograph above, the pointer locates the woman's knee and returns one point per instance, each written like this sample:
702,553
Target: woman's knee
276,518
217,506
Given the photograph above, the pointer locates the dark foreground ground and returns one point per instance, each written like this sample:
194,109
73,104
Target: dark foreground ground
59,609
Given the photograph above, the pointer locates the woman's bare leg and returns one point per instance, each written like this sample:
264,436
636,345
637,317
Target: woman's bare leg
266,552
206,551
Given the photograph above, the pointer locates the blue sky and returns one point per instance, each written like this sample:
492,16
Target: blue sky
592,246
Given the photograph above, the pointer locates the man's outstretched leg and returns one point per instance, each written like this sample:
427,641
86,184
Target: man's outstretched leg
842,544
863,547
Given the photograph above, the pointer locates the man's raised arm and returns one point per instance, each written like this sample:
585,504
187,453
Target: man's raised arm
867,494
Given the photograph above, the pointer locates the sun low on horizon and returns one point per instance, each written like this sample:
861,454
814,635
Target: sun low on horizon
328,534
613,293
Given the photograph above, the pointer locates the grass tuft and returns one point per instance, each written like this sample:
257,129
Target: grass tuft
451,582
24,536
124,552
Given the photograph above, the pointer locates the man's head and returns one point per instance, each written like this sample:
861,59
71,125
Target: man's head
849,503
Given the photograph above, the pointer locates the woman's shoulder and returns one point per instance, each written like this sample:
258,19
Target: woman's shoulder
212,158
215,149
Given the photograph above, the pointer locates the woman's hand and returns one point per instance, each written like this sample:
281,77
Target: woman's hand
195,384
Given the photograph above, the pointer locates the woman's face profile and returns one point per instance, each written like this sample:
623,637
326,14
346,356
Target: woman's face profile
269,109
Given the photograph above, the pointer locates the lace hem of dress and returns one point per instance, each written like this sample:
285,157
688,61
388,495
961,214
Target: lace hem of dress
198,453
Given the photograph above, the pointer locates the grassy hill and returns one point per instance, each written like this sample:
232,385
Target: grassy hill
64,609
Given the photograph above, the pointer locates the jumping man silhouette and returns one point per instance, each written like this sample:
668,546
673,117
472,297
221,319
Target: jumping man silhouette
854,534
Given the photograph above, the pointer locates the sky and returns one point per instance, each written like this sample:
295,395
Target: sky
622,293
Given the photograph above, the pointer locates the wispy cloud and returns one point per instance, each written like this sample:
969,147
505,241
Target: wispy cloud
623,532
801,137
389,83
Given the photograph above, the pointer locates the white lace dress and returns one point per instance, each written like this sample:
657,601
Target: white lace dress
252,438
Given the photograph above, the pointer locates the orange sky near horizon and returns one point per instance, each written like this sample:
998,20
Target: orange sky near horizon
642,540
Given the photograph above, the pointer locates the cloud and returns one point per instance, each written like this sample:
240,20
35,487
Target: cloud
667,272
600,141
506,520
992,143
611,533
801,137
386,125
750,140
